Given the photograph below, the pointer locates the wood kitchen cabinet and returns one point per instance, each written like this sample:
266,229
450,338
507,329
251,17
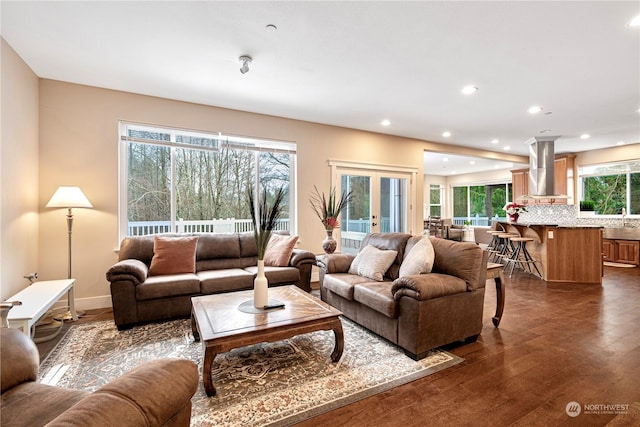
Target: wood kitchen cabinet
520,185
622,251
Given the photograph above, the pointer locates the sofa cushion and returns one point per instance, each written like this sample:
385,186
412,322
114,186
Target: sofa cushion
173,255
419,259
277,275
279,250
168,285
342,283
372,262
389,241
227,280
377,296
218,245
34,404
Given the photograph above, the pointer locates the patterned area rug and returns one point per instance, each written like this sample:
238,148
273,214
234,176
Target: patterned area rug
275,384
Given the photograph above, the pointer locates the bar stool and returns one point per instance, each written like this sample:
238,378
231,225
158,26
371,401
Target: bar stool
520,257
506,247
493,245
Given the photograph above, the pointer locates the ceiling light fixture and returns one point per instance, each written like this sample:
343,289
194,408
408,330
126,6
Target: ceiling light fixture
635,22
534,109
445,159
271,28
585,136
495,141
469,90
472,162
385,122
507,148
446,134
245,60
620,143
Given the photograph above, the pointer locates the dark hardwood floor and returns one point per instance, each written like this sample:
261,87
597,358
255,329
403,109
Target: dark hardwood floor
557,343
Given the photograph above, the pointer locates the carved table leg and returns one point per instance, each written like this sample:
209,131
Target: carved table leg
209,356
194,328
339,347
500,291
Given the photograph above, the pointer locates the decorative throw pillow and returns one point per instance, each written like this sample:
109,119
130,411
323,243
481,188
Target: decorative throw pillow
173,255
372,262
419,260
279,250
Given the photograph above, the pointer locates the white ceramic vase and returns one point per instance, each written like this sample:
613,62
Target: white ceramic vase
260,287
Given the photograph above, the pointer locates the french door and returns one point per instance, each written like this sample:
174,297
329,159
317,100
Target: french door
381,203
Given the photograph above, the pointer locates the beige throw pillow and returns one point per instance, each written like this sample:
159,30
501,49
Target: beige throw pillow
173,255
372,262
279,250
419,260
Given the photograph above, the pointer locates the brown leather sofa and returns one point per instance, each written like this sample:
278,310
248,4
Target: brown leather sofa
420,312
157,393
224,262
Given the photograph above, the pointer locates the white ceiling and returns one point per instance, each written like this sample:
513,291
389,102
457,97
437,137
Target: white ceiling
353,64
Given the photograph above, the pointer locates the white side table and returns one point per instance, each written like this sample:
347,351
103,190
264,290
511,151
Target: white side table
36,299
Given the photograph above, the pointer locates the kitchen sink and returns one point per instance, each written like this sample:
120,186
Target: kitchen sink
621,233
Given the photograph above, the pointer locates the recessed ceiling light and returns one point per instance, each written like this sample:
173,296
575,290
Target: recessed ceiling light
445,159
620,143
446,134
635,22
472,162
495,141
507,148
534,109
453,172
545,130
271,28
585,136
385,122
470,89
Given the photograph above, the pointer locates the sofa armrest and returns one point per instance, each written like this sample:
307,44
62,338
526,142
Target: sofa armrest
465,260
156,393
334,263
423,287
19,358
132,270
300,257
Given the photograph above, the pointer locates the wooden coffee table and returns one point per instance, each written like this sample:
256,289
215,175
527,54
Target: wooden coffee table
218,322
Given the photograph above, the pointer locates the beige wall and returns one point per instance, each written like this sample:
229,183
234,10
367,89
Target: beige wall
79,146
615,154
18,173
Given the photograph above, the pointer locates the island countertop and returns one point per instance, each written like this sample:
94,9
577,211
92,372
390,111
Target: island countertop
567,253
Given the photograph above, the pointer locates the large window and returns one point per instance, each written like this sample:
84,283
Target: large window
611,187
435,199
175,180
480,203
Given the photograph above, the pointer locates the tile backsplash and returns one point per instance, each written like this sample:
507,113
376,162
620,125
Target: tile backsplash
568,215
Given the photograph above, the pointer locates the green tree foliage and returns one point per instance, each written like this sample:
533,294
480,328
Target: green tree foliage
607,192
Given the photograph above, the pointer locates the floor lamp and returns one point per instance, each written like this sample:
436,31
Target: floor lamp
69,198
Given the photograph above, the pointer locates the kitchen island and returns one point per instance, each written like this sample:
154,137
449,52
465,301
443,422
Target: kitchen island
567,253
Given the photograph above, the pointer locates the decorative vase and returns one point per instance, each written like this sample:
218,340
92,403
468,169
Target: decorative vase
329,244
260,287
514,217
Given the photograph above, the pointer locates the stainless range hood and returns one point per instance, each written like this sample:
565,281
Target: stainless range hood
541,168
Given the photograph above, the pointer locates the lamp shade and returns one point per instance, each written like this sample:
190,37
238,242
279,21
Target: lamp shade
69,197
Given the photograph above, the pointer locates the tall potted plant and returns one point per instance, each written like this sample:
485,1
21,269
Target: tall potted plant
265,219
328,210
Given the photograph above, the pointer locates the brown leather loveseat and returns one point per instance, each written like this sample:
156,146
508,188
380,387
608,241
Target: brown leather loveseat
224,262
157,393
417,312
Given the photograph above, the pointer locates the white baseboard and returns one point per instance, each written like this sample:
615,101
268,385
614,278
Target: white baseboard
91,303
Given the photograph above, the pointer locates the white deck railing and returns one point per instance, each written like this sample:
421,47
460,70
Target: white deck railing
229,225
